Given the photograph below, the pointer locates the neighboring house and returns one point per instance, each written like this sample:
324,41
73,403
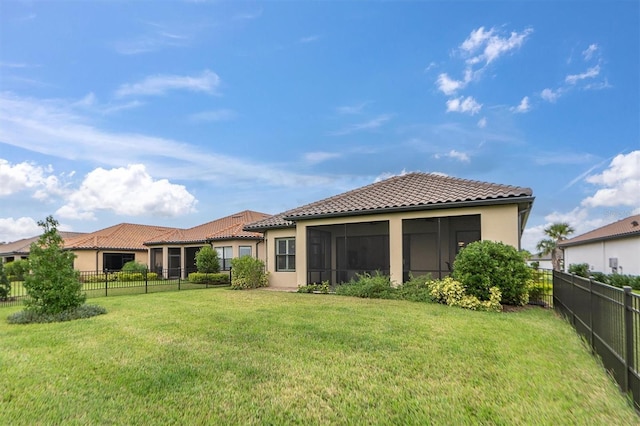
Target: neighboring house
20,249
614,248
412,224
110,248
543,262
176,250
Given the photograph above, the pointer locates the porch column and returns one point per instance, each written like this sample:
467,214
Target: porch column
301,254
165,262
395,250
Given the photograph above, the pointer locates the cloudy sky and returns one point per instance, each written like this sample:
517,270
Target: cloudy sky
178,113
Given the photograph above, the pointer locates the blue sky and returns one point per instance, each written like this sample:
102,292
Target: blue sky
178,113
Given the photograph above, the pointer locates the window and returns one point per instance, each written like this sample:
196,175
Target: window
115,261
244,251
225,254
285,254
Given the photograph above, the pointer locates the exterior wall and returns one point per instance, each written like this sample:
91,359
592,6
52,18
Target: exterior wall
91,260
597,254
498,223
281,279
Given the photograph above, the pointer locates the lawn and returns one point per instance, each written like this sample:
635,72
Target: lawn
219,356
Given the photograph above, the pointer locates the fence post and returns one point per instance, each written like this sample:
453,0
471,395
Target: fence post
230,276
179,277
593,348
146,281
106,282
628,336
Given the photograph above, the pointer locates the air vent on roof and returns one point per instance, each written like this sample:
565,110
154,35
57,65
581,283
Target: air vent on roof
634,223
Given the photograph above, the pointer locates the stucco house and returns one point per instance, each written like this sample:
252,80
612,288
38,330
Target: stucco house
613,248
168,251
410,224
20,249
176,250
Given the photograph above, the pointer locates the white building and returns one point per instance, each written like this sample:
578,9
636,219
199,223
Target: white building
614,248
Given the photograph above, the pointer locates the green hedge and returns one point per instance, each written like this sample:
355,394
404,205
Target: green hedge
209,278
120,276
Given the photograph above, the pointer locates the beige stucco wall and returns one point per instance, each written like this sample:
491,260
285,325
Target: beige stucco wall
91,260
280,279
498,223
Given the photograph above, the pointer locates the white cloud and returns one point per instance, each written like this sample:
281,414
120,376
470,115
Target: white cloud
16,229
387,175
588,53
207,82
457,155
487,46
372,124
213,115
620,182
590,73
550,95
461,104
127,191
352,109
320,156
309,39
449,86
482,123
42,126
523,107
156,37
18,177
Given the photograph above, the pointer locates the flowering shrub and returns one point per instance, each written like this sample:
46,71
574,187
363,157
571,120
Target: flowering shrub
451,292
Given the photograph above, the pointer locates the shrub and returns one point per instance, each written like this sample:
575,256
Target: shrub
376,286
248,272
207,260
53,286
133,266
451,292
30,316
214,279
5,285
579,269
621,280
416,289
99,278
601,277
123,276
17,270
485,264
313,288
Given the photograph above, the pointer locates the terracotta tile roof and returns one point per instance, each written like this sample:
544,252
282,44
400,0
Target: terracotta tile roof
406,192
124,236
623,228
273,222
22,247
229,227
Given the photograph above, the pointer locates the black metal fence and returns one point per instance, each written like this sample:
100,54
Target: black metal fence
112,283
609,320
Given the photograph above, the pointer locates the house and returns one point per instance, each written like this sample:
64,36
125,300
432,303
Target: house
613,248
110,248
168,251
176,250
542,262
412,224
20,249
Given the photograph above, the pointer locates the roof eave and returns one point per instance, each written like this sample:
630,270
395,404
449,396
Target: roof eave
436,206
599,239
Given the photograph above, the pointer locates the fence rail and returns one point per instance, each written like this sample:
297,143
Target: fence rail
112,283
609,320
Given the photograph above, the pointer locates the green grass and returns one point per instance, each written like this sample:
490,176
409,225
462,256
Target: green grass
258,357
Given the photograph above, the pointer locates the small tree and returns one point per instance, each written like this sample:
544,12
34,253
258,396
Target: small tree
5,285
248,272
556,233
53,286
133,266
207,260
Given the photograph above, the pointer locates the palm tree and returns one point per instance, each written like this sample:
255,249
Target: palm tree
556,233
